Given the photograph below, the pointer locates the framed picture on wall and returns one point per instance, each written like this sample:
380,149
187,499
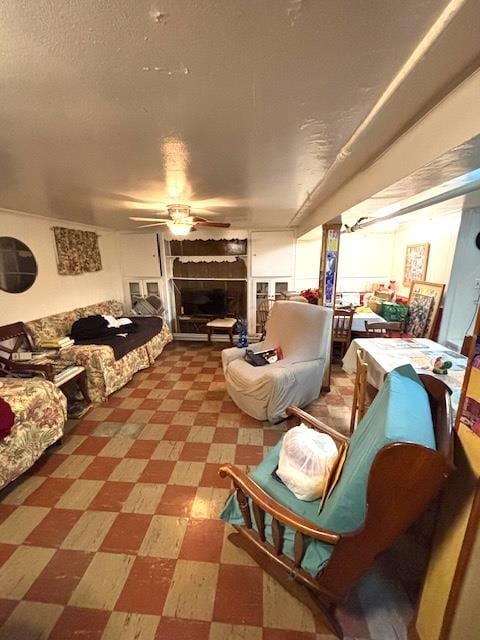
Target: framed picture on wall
418,292
416,261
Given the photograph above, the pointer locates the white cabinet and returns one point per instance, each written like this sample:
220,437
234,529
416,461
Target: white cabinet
140,288
265,289
273,254
141,259
140,255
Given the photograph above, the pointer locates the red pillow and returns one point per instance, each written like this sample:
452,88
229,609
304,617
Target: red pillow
7,418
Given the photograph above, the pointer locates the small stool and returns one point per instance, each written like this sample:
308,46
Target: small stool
224,325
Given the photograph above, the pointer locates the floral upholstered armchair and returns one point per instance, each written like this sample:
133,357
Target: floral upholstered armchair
40,411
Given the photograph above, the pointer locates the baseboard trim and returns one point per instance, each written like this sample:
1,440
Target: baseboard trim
200,337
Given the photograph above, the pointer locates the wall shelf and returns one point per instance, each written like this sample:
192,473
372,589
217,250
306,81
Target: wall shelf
221,247
213,279
217,258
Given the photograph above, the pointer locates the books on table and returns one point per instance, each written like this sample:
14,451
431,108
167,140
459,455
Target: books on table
56,343
29,356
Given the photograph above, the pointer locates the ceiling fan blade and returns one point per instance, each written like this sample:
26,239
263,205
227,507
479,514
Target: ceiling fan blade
206,223
158,219
215,203
202,210
152,224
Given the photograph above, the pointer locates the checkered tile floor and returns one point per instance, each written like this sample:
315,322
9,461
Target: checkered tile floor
115,534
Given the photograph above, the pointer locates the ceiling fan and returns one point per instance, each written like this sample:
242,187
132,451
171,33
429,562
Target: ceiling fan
180,221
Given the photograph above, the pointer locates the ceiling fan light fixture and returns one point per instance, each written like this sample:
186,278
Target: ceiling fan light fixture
179,228
179,211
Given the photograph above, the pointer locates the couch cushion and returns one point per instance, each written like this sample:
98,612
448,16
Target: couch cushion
55,326
302,331
108,307
60,324
146,328
399,413
255,381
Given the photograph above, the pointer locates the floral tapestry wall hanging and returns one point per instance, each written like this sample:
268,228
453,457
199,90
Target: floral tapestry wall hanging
77,251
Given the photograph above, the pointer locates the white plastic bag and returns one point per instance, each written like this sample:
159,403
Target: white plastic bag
305,461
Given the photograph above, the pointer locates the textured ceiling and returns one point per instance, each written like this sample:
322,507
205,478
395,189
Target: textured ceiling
457,169
109,108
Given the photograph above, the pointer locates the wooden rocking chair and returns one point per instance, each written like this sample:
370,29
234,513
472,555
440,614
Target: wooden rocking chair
403,479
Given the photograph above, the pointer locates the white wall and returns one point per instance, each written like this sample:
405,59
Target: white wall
440,231
307,264
462,296
365,257
52,293
373,256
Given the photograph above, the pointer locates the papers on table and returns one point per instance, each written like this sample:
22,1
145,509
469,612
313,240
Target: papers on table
384,354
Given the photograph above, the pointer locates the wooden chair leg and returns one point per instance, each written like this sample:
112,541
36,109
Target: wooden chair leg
322,610
354,407
209,332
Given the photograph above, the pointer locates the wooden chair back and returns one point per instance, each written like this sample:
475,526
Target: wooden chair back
466,346
342,329
359,391
383,329
263,311
403,480
12,338
342,325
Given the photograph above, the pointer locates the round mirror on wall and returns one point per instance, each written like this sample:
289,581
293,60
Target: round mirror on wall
18,267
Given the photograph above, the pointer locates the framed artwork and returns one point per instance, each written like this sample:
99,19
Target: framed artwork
430,290
420,307
328,265
416,261
327,282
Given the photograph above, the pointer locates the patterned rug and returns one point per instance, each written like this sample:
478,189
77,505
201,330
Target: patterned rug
115,534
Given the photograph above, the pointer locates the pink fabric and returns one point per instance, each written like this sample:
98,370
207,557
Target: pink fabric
7,418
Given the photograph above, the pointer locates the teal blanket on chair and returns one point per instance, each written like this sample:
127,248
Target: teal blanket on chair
399,413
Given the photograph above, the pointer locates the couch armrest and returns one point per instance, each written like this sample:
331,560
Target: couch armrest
316,424
234,353
266,503
82,353
230,355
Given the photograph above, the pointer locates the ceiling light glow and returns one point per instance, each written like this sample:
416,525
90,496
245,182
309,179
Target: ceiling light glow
179,228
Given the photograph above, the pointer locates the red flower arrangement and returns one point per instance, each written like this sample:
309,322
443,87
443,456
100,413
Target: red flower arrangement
312,295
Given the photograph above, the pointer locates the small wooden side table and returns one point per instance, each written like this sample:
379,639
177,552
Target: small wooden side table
75,374
223,325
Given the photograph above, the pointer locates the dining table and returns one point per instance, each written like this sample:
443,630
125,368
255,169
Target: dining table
359,320
382,355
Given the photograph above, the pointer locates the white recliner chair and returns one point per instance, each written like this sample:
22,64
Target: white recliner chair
303,333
